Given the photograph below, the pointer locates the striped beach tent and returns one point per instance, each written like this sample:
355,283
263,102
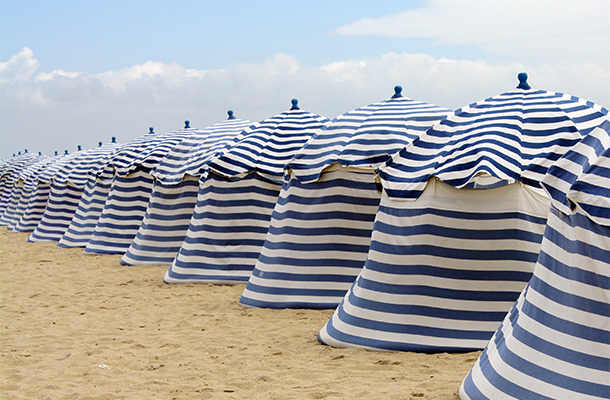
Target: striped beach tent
67,186
21,191
9,174
555,341
130,190
321,226
235,201
459,225
39,193
174,193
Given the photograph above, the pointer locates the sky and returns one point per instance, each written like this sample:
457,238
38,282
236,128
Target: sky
77,72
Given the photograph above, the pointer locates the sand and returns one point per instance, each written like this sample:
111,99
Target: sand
77,326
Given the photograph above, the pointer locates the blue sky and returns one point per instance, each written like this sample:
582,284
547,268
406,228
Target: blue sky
79,72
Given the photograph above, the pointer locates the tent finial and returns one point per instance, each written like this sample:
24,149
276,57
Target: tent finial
187,124
397,92
56,153
295,104
523,81
151,130
99,144
66,152
79,147
231,116
113,139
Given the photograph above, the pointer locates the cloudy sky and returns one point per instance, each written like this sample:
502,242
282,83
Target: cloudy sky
76,72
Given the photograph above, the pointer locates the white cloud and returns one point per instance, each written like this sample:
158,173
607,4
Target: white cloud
541,30
20,67
59,110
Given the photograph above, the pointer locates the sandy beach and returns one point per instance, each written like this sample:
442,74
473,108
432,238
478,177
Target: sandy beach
78,326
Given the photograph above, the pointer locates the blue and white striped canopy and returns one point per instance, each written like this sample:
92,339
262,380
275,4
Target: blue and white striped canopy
191,155
515,136
267,146
555,342
367,136
459,225
86,164
145,152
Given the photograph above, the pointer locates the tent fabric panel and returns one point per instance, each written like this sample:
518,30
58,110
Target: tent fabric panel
87,214
165,223
61,206
226,232
317,242
35,208
442,271
122,214
552,344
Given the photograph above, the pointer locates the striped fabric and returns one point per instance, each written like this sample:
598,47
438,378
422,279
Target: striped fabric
442,272
87,214
67,188
165,223
34,209
9,174
61,205
236,200
21,190
366,137
317,241
191,156
174,194
555,342
130,191
450,255
40,185
226,232
514,136
321,226
122,213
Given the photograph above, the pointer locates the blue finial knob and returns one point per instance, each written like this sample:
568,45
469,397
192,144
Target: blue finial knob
151,130
295,104
40,153
113,139
19,153
397,92
187,124
26,150
523,81
99,144
231,116
79,148
66,152
56,153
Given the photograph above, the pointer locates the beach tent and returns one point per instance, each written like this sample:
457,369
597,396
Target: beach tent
40,188
174,193
130,190
9,173
321,226
459,225
555,341
67,187
21,191
235,200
